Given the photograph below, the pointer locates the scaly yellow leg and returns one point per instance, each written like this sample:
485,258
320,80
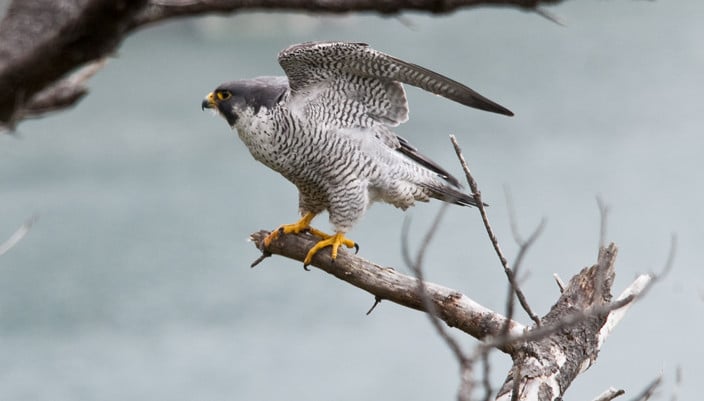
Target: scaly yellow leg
334,241
301,225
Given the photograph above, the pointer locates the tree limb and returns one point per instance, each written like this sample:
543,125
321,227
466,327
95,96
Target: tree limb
492,236
547,358
572,333
158,10
42,41
453,307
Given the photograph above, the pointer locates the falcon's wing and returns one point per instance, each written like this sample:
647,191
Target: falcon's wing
361,82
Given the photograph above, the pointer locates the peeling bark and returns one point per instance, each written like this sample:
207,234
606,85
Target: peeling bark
546,367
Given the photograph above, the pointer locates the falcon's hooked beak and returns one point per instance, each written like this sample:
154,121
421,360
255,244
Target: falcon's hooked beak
208,102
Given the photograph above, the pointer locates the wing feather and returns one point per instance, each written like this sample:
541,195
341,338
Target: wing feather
364,74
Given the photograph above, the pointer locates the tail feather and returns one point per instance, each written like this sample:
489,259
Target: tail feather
450,194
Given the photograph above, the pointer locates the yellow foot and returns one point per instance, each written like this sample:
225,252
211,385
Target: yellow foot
332,240
295,228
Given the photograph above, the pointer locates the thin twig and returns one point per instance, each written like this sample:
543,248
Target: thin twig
549,16
416,265
678,383
565,322
516,383
260,259
636,290
609,394
377,301
649,390
512,220
603,216
486,383
492,237
516,267
17,236
670,261
560,283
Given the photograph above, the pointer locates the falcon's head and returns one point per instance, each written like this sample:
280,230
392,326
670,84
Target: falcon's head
235,99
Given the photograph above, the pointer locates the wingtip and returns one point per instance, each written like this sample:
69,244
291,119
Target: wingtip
507,112
495,108
488,105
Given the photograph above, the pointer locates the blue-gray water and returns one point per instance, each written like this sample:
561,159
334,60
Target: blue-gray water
134,283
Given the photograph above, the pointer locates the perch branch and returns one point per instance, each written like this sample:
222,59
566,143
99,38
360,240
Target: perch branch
454,308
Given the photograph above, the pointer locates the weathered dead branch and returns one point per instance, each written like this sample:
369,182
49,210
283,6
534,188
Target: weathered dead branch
547,358
453,307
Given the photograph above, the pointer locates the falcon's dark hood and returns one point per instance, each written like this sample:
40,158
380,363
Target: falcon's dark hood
232,97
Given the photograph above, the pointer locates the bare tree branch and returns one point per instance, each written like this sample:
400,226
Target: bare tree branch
42,41
158,10
454,308
559,282
416,265
524,245
546,359
492,237
17,236
649,390
609,394
60,95
603,219
569,341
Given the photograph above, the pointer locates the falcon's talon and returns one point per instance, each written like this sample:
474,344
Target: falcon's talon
356,248
333,241
272,236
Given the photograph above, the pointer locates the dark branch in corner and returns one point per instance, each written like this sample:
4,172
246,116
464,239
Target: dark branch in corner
43,41
158,10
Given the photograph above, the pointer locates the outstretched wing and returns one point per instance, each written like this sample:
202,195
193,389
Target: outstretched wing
363,82
350,85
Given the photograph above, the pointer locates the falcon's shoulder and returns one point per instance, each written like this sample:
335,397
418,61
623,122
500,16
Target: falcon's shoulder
343,81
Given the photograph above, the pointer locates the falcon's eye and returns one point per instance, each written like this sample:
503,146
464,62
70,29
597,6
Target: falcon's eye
223,95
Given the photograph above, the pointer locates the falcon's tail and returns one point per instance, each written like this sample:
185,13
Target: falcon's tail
450,194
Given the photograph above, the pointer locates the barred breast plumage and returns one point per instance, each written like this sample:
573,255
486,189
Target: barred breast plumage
326,127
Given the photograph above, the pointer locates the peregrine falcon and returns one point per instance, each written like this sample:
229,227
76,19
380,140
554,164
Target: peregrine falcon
326,127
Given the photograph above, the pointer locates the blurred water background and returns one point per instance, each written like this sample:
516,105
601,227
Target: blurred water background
134,283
